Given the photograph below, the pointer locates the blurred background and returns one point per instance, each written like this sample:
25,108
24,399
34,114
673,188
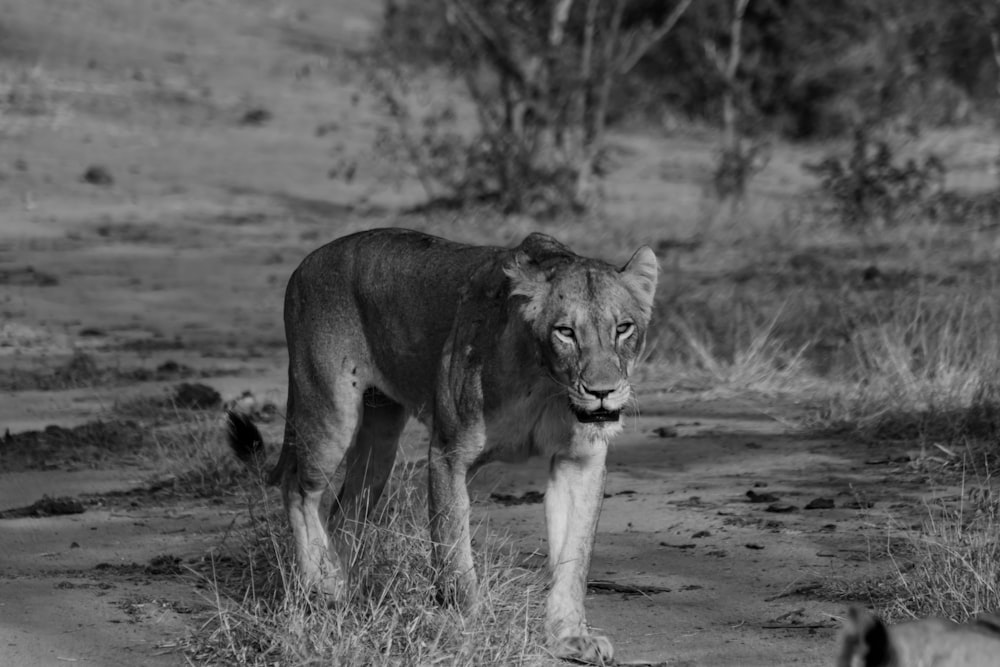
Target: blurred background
819,181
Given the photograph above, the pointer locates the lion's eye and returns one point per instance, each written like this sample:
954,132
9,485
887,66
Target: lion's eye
625,329
565,332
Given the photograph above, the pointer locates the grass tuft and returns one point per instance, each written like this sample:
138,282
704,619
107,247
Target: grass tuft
926,370
951,565
263,616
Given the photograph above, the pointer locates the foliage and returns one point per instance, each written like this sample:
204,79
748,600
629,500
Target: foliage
950,569
818,69
811,69
540,77
736,166
870,186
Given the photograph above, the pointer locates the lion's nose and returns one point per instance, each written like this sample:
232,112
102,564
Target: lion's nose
598,393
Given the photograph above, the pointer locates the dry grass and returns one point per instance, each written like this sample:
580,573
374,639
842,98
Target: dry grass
951,564
758,360
944,562
926,368
770,299
190,453
263,617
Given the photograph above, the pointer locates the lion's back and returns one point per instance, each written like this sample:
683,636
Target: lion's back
390,295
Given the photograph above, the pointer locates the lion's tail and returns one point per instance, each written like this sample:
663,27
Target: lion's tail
247,442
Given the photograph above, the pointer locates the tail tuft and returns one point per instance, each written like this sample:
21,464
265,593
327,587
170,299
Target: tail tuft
245,440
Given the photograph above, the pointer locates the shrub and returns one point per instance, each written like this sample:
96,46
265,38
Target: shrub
870,187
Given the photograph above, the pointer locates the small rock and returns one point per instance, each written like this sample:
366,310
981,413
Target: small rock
781,508
324,129
859,504
751,545
754,497
49,506
256,117
820,504
99,175
196,396
870,274
171,367
164,565
677,546
700,534
666,431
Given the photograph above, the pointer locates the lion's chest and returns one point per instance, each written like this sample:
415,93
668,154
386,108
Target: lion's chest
525,426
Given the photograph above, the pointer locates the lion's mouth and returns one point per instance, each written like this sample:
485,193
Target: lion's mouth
596,416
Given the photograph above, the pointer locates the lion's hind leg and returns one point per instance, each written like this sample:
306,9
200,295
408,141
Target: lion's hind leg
449,507
367,468
318,432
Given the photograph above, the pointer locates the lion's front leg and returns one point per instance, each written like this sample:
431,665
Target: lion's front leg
448,501
572,508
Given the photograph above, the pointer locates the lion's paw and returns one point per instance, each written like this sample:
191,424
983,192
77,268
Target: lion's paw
588,649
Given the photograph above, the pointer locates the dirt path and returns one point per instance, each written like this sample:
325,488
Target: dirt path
686,570
175,270
719,580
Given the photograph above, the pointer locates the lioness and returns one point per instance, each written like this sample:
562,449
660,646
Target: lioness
502,353
867,642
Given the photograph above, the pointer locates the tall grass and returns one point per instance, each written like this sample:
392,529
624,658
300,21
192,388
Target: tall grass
392,617
755,358
951,567
925,366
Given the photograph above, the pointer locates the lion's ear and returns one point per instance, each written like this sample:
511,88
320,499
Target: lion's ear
639,275
528,280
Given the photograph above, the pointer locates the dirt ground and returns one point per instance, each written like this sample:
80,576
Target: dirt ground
688,568
146,232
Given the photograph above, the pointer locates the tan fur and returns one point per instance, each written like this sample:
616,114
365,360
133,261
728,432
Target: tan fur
867,642
503,353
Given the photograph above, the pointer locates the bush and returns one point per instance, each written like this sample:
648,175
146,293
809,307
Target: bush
539,78
869,187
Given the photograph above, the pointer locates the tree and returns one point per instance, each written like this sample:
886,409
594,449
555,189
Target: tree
738,159
540,75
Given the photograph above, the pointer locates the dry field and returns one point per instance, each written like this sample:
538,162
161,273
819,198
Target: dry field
818,416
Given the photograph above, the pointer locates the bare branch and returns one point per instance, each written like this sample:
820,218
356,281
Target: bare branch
729,70
712,53
584,96
596,130
560,14
736,38
587,53
630,60
470,20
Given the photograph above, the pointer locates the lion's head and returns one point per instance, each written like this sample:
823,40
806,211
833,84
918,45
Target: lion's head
588,319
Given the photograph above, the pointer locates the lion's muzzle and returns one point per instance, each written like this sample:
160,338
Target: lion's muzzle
596,416
600,405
